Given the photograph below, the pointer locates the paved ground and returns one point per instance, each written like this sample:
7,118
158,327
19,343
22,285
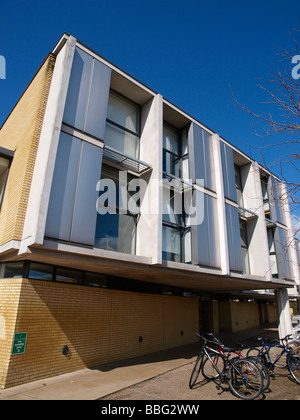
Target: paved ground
159,376
174,386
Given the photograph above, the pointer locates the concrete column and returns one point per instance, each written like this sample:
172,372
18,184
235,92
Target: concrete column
284,312
35,221
149,230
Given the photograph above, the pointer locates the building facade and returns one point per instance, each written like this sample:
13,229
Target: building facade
126,225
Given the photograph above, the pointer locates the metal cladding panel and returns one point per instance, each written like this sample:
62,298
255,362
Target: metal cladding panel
63,189
228,172
201,157
78,90
202,234
210,181
196,151
85,213
236,235
276,202
98,100
234,238
205,235
213,231
282,253
88,91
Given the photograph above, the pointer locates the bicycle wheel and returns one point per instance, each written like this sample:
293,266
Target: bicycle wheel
293,363
274,353
245,379
253,352
195,371
208,368
264,370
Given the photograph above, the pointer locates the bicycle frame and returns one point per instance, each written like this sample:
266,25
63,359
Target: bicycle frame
227,364
265,352
243,376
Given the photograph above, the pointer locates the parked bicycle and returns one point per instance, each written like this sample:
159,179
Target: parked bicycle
278,353
242,375
237,353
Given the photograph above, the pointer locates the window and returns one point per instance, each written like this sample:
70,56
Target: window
175,153
244,244
238,184
4,169
116,225
95,280
12,270
122,131
264,188
272,252
65,275
176,232
40,272
45,272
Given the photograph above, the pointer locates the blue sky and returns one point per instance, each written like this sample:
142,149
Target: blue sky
192,52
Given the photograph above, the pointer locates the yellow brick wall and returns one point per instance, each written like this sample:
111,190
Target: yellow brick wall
236,316
98,325
21,132
10,293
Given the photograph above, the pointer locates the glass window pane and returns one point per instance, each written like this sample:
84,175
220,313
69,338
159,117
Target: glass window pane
173,210
270,233
13,270
246,264
187,237
107,232
123,113
95,280
273,263
68,276
40,272
185,168
243,229
171,246
171,164
116,232
127,234
184,142
171,139
121,140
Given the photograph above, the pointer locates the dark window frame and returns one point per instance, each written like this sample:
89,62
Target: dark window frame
177,157
181,227
8,155
112,282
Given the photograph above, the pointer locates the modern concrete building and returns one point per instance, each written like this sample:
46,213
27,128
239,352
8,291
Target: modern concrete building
126,224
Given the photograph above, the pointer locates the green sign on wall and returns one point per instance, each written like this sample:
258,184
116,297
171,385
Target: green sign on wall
19,343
